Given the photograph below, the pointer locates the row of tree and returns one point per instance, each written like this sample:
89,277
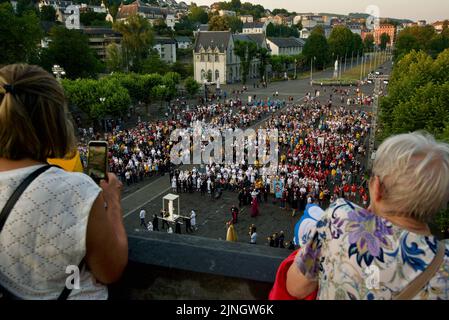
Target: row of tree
113,95
418,96
342,44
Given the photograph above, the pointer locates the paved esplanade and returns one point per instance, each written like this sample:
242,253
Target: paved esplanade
213,214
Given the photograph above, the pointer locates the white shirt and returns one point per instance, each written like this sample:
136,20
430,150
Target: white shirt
45,233
253,238
142,214
193,218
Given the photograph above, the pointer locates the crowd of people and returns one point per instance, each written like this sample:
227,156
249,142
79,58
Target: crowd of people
322,151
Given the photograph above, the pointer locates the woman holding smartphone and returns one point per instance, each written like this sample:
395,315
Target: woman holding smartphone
51,221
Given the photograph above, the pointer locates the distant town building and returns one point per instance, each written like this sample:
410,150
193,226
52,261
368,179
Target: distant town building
282,19
60,7
355,28
247,18
438,26
422,23
166,48
285,46
255,27
304,33
385,28
227,13
100,38
152,14
183,42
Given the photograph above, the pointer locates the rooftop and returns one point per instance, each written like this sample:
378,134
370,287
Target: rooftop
287,42
212,39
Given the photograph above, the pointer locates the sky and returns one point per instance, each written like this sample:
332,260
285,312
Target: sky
430,10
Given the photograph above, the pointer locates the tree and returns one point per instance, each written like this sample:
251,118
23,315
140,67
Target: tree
384,40
192,86
368,43
246,51
316,47
264,56
413,38
281,31
97,98
275,12
19,35
235,24
219,23
341,42
185,27
91,18
358,44
417,97
47,13
153,64
26,6
161,28
318,30
161,93
70,49
271,30
114,58
137,40
198,15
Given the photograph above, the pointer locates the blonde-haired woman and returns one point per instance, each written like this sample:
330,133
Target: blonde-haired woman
59,220
385,252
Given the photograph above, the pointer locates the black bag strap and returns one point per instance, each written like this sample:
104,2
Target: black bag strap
10,205
18,192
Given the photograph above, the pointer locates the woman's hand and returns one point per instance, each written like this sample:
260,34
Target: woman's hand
107,242
112,189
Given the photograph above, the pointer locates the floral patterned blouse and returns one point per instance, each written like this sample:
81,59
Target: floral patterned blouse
355,254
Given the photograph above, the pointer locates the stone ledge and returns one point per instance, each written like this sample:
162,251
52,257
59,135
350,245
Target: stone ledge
206,256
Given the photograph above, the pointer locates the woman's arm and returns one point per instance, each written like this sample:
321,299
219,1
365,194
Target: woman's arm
298,285
107,242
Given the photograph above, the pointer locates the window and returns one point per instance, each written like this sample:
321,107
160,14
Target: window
217,58
203,75
202,57
209,75
217,75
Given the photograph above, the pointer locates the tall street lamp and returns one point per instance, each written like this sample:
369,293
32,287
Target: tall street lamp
296,61
311,70
205,90
102,100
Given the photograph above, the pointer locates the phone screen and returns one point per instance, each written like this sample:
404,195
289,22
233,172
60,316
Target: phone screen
97,162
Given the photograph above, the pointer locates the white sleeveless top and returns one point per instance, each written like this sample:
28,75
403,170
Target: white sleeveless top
45,233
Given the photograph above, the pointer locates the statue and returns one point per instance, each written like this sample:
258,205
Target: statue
336,70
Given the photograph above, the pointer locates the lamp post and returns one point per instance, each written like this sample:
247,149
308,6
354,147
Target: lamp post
205,90
311,70
102,100
58,71
296,61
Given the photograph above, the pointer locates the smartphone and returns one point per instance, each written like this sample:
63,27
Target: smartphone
97,160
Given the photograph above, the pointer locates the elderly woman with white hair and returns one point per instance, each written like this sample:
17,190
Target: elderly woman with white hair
387,251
